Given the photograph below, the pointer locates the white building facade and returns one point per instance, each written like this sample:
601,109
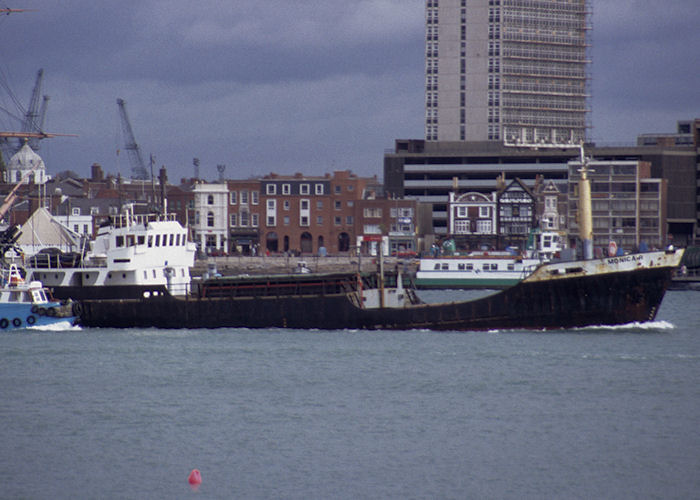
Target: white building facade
211,217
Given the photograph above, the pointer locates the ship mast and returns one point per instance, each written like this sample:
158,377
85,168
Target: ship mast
585,212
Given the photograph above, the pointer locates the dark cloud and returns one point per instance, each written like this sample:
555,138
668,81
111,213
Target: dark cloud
645,73
305,86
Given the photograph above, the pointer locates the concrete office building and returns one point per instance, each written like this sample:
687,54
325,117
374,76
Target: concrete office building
629,206
428,172
506,70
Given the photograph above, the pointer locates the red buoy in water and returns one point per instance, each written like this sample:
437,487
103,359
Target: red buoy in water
195,477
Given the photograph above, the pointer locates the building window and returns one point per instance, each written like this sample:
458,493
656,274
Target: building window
233,219
349,220
319,220
244,197
286,204
210,199
373,212
271,204
337,221
483,226
210,219
75,211
338,204
304,220
254,195
233,197
271,189
338,189
304,189
254,220
484,211
304,204
286,220
271,220
286,189
245,218
319,204
318,188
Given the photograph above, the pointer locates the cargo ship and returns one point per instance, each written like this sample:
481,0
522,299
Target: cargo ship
569,294
609,291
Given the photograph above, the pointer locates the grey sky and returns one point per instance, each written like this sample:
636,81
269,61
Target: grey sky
295,86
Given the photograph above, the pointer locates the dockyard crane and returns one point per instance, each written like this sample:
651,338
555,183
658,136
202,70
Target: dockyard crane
34,117
8,11
138,168
31,124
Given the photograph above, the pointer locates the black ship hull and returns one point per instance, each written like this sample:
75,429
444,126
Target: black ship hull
608,298
106,292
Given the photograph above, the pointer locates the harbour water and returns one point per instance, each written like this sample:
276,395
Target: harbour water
594,413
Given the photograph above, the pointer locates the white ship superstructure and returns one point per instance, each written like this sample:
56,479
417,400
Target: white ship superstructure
133,256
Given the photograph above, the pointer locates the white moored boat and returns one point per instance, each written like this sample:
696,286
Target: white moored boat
134,256
488,269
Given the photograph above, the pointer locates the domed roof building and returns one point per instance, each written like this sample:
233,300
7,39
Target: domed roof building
23,162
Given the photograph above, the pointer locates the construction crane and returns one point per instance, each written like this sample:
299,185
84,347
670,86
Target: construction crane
34,117
8,11
32,124
138,168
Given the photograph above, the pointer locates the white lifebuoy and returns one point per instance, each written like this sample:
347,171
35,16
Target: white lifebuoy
612,249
